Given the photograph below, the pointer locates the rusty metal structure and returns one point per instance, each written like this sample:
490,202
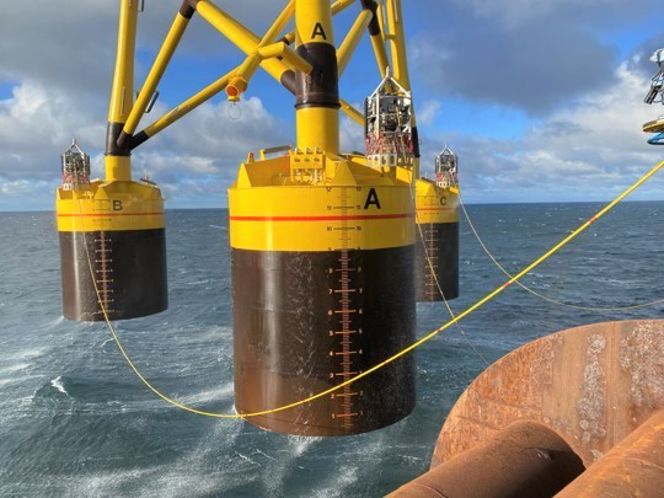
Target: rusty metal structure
576,414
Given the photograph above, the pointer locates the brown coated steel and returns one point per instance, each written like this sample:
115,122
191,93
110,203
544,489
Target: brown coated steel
440,242
525,460
130,269
592,385
634,468
321,87
304,322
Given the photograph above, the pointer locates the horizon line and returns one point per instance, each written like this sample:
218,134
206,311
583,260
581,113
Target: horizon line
225,208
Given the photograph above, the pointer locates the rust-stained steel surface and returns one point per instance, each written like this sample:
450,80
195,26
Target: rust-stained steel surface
634,468
592,385
524,460
596,391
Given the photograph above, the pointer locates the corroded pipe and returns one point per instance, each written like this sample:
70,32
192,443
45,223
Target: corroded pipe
597,389
525,460
635,467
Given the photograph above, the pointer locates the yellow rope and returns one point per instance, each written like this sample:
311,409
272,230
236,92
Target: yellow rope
491,295
539,294
442,295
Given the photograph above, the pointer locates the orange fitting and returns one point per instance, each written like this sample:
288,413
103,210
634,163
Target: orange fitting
236,87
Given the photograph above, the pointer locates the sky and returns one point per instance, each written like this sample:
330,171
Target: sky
541,99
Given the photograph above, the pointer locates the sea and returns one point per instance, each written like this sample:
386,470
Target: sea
75,421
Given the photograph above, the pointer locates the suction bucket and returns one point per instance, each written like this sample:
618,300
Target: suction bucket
437,253
112,244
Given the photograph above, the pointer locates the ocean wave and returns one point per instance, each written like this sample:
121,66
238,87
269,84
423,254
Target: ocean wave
55,323
57,384
223,393
13,380
18,367
28,354
198,282
338,483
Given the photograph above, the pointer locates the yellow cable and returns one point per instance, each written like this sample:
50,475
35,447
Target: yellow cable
491,295
539,294
438,286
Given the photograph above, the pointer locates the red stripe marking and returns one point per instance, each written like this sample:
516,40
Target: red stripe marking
323,218
507,284
107,215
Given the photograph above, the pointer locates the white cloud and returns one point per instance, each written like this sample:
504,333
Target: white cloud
73,45
61,79
428,112
589,150
36,117
37,123
518,12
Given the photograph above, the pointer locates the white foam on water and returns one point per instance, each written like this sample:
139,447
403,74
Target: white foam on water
278,469
210,334
57,384
14,368
223,393
180,478
198,282
12,380
338,483
54,323
300,444
29,353
105,483
245,458
269,457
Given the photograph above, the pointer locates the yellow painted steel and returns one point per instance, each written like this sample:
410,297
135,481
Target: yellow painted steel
380,12
267,226
318,127
279,24
245,40
118,168
435,204
341,5
164,56
337,7
291,59
270,210
115,206
122,91
313,22
351,112
378,45
239,35
240,80
189,105
348,46
397,41
656,126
